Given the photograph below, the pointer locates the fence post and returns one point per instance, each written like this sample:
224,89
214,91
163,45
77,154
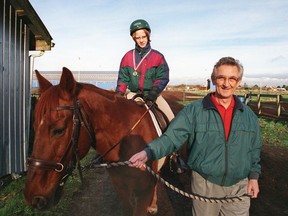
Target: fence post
247,98
278,105
259,103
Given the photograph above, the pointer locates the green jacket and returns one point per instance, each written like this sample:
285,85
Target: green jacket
152,72
217,160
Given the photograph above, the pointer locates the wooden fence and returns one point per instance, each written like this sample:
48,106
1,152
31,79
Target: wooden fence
268,104
263,104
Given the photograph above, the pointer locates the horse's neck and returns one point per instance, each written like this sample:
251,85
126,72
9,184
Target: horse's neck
110,116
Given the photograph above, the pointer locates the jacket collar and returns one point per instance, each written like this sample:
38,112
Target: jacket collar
208,103
142,51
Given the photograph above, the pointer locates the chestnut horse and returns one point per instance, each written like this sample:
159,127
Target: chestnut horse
68,118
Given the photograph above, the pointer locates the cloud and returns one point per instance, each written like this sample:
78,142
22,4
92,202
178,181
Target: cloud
265,81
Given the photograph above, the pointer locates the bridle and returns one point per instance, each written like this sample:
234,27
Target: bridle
79,120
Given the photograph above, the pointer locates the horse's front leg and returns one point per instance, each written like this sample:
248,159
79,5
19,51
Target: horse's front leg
156,165
146,195
122,188
153,208
145,202
135,189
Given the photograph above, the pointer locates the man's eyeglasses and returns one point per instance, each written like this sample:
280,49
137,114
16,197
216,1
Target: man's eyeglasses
222,79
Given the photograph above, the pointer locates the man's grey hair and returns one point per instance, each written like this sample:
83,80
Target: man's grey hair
228,61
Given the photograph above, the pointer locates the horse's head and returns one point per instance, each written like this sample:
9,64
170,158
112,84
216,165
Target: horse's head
57,126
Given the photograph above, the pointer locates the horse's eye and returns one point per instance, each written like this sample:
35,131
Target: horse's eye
58,132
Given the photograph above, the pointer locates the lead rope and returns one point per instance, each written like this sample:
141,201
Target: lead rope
176,189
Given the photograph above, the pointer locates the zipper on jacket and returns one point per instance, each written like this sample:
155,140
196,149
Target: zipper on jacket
226,163
225,153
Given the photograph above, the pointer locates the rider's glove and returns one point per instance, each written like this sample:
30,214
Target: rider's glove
152,94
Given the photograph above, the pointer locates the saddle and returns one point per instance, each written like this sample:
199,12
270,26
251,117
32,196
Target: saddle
160,116
176,164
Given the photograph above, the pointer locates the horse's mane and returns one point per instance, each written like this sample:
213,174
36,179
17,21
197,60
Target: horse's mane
49,100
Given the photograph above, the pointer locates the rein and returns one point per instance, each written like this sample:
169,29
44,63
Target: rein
79,119
129,132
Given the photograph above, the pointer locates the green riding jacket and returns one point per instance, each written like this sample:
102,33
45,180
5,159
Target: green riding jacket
217,160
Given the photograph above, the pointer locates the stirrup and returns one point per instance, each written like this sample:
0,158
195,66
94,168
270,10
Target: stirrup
176,164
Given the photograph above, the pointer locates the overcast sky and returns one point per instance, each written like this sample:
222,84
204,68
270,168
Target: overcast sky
93,35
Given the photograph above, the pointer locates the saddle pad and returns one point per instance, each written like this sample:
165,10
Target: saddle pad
159,132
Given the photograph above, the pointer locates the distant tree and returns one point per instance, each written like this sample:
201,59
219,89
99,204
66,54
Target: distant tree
255,87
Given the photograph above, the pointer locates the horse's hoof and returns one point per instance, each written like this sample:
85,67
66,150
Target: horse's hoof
152,210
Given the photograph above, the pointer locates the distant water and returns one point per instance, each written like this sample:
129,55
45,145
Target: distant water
102,79
104,85
107,86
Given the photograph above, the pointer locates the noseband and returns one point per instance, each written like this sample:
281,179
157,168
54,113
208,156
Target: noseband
79,119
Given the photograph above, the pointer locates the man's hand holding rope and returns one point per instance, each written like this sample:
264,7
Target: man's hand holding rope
253,188
138,159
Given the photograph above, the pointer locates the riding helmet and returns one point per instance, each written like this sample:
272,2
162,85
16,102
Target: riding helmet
139,24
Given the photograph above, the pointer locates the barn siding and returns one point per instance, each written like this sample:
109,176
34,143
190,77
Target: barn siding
14,90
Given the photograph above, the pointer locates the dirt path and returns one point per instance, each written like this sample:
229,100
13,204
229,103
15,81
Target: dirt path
97,197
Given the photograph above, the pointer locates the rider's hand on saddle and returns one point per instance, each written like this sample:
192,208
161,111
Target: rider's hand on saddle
149,103
152,95
138,159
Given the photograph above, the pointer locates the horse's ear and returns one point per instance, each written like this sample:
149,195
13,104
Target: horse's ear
67,81
44,84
